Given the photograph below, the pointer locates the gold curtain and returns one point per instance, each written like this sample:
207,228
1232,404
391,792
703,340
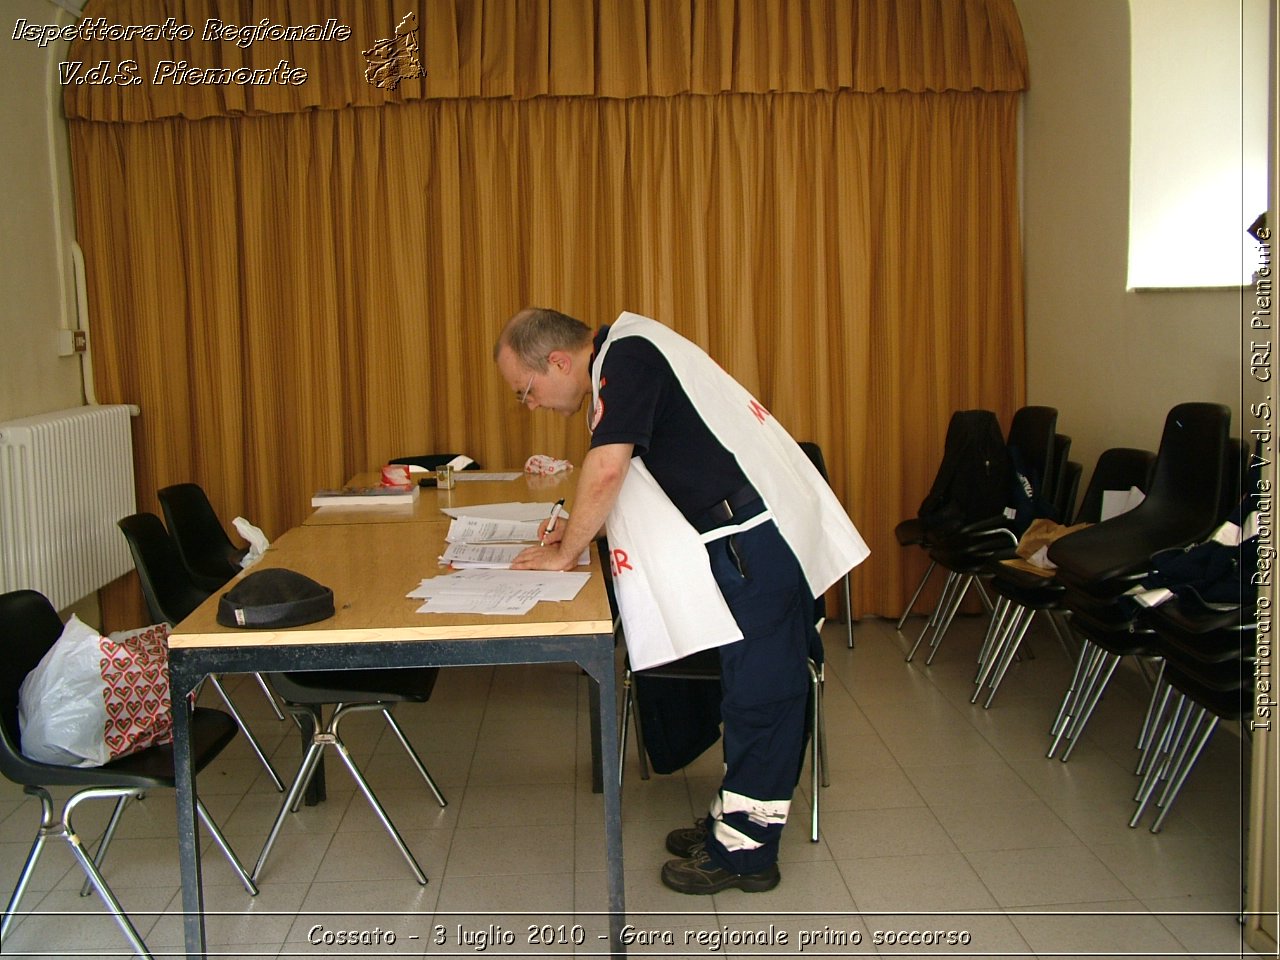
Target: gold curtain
295,297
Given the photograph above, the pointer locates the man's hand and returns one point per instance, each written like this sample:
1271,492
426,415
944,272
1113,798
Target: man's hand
603,470
549,557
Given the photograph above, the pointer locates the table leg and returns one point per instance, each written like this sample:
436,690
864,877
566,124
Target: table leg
597,772
188,828
605,733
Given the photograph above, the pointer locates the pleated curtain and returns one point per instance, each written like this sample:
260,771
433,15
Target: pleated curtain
298,282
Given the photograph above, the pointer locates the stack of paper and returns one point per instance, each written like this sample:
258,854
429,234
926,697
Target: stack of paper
503,592
483,540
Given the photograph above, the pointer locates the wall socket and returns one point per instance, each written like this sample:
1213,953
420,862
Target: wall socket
71,342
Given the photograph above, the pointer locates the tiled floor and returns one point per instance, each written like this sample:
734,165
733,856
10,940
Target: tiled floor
940,817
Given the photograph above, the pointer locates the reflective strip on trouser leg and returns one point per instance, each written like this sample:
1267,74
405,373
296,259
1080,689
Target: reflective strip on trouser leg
761,813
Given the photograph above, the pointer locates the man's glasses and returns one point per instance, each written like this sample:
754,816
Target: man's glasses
527,387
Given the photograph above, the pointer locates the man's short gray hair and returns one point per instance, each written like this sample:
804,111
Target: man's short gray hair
533,333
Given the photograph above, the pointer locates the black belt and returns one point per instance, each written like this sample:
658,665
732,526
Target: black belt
737,507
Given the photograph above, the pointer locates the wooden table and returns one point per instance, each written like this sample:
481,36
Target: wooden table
426,507
370,567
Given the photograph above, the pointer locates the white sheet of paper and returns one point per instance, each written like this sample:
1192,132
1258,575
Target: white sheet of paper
1116,502
549,584
504,511
480,530
513,606
494,555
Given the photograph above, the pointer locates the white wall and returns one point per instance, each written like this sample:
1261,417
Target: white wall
37,290
35,218
1113,362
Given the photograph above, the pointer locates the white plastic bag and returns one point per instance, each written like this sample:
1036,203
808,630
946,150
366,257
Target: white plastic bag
93,699
61,710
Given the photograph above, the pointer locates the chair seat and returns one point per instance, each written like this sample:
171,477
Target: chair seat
410,685
910,532
703,665
211,730
1225,695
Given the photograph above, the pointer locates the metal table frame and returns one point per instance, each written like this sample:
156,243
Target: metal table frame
594,653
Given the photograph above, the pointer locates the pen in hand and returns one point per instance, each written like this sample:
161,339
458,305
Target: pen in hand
551,523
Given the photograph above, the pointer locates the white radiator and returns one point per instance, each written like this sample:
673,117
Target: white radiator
65,479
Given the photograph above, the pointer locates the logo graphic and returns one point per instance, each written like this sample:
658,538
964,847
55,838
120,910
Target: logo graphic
395,59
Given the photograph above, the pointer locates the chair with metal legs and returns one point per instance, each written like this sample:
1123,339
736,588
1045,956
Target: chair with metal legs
1208,677
349,691
29,627
171,595
966,552
1022,592
207,553
1096,566
706,666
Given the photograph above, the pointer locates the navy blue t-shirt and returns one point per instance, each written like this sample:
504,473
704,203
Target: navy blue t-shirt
645,405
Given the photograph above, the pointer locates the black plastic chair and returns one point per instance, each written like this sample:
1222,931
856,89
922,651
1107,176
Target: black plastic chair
1022,594
29,627
1207,677
1033,437
1098,565
350,691
966,553
171,595
814,453
1183,505
705,666
206,551
927,532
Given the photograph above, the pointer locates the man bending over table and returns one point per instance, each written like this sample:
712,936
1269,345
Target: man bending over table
721,533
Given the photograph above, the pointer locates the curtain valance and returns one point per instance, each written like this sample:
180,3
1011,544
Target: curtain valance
210,58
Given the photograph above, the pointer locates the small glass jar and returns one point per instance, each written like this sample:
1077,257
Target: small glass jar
444,477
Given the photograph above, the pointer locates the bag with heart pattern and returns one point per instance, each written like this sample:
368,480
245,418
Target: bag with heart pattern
93,699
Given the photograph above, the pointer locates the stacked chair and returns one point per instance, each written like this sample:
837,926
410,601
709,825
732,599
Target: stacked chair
1098,565
1207,677
967,551
1021,594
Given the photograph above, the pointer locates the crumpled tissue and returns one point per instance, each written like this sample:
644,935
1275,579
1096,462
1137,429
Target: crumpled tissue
258,541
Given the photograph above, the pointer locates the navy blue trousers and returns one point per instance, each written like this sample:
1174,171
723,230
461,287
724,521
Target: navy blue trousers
764,695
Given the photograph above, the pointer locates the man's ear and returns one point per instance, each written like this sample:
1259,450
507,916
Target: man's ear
561,360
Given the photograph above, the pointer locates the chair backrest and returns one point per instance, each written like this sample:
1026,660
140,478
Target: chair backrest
1068,488
203,545
975,478
1235,468
1182,506
1063,503
433,461
814,453
29,626
170,592
1118,468
1186,481
1031,441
